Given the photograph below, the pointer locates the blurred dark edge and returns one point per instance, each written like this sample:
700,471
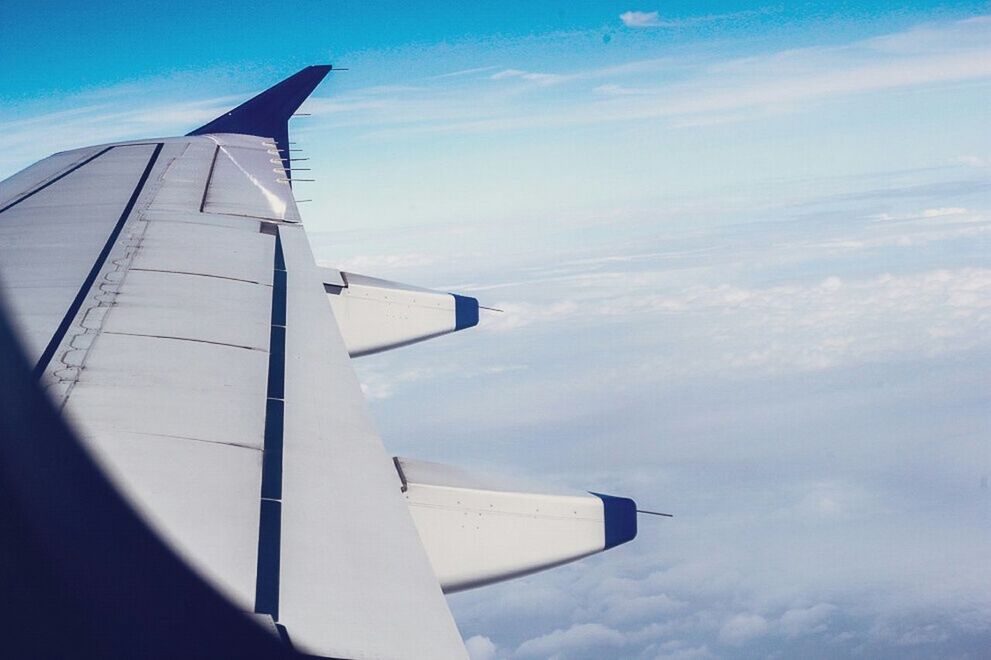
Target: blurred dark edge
81,575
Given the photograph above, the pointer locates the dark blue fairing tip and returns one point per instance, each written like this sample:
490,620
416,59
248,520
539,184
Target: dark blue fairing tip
465,312
620,519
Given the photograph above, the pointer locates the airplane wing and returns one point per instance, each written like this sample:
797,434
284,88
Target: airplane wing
170,305
170,302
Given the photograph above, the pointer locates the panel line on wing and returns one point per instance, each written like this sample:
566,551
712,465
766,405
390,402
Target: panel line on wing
70,315
173,338
209,177
56,179
270,515
186,272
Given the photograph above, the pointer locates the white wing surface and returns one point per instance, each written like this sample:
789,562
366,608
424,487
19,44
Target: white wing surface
169,298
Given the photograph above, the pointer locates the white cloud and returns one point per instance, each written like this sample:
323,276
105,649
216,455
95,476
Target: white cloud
972,161
464,72
640,19
907,634
41,135
678,650
805,621
579,637
531,76
943,212
790,327
742,628
612,89
519,314
480,647
786,386
377,263
957,213
833,501
378,383
650,19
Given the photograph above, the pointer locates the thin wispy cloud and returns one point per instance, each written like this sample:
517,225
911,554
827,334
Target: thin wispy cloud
531,76
652,19
704,92
640,19
464,72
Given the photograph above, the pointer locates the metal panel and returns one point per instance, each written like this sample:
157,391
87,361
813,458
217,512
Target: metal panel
42,172
133,384
166,378
251,182
50,241
192,307
201,497
186,178
207,249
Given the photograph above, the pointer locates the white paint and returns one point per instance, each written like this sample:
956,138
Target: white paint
244,182
377,315
477,533
49,241
356,582
164,374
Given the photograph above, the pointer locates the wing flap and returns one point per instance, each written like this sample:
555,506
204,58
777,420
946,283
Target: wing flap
157,304
209,248
352,562
201,497
170,387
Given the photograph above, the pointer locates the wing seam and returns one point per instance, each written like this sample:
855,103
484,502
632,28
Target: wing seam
209,178
77,303
192,339
267,576
56,179
210,275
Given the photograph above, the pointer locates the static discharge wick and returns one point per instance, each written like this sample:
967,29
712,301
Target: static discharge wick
656,513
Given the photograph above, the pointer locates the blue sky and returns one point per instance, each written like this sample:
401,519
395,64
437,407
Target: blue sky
743,256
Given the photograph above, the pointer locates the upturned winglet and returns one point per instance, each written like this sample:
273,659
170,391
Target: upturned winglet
267,115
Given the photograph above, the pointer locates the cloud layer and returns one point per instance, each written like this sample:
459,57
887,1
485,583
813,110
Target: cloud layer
744,284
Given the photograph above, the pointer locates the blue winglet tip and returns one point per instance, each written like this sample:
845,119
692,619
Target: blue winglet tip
465,312
620,519
266,114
